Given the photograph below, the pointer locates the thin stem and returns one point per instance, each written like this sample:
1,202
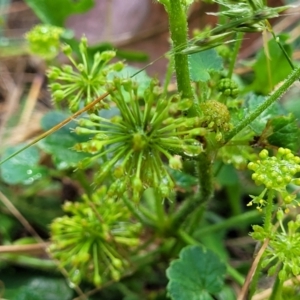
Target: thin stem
277,289
254,280
30,262
168,76
237,45
206,189
268,211
136,212
295,74
232,222
160,213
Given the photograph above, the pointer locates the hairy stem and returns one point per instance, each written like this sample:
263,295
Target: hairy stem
268,211
206,189
178,29
261,108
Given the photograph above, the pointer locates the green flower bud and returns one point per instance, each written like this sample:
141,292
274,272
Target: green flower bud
175,162
115,274
119,171
75,277
58,95
66,49
264,154
137,184
108,55
272,270
280,215
55,87
53,73
282,275
67,69
97,279
228,87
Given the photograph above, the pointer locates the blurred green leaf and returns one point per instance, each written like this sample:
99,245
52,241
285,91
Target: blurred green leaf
25,286
55,12
252,102
270,72
142,79
22,168
202,63
183,180
196,275
59,143
228,175
227,293
8,227
283,131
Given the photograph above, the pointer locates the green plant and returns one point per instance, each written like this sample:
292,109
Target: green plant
155,159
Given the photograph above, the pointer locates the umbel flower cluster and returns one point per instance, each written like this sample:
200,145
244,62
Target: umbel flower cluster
94,241
283,251
275,173
133,145
81,83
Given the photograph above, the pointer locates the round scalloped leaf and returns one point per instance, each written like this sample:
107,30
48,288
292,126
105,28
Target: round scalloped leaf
196,275
204,62
23,167
59,143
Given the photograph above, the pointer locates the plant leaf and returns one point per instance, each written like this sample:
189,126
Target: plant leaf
22,168
283,131
28,287
196,275
183,180
260,122
59,143
279,66
55,12
201,63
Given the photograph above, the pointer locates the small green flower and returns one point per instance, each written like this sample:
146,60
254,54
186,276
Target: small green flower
92,241
228,87
85,81
276,172
135,144
44,40
216,118
283,250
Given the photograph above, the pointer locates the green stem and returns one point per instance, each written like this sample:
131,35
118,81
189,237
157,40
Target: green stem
82,178
268,211
168,76
232,222
206,189
178,29
233,193
30,262
295,74
137,213
277,289
160,212
195,220
254,281
237,45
